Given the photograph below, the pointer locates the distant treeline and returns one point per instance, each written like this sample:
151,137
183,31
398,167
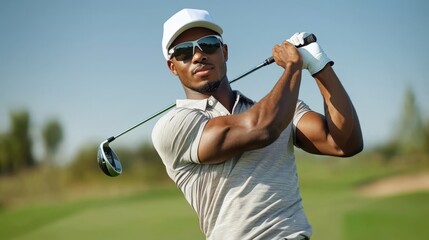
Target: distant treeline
411,135
16,144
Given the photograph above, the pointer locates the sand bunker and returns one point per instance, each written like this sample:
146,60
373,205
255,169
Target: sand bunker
396,185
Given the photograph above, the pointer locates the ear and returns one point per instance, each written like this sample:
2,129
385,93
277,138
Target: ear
225,52
171,66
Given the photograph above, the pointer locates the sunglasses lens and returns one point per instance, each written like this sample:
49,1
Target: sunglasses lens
185,51
209,45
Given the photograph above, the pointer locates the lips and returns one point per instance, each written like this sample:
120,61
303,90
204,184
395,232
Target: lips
202,69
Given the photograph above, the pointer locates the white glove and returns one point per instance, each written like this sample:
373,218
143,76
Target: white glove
314,58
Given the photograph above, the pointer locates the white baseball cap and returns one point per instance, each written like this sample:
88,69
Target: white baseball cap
184,20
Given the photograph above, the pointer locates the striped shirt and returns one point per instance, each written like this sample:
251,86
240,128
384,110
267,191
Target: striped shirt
251,196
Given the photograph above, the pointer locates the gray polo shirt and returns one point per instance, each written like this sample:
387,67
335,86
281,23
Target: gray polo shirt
252,196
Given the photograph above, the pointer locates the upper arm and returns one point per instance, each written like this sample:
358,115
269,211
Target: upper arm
189,136
312,135
228,136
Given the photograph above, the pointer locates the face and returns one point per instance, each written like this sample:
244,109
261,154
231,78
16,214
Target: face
203,72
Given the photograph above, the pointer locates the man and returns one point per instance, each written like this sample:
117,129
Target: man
233,158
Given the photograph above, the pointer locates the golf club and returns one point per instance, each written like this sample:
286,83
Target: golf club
107,158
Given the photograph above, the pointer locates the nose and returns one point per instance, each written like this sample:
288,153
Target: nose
199,55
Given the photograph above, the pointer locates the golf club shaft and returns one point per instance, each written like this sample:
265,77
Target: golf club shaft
265,63
309,39
144,121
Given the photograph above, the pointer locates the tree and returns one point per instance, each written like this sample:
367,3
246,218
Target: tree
52,135
427,136
410,135
4,154
147,153
20,143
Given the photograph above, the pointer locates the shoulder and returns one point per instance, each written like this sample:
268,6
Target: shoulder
176,135
179,116
301,109
179,122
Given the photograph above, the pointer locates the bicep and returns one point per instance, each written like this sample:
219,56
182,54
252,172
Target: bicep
312,135
228,136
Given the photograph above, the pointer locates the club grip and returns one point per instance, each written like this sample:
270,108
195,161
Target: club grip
307,40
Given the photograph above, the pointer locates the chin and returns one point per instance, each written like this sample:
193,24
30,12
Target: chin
210,87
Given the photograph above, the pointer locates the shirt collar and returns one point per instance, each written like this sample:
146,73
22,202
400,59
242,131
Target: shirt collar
202,104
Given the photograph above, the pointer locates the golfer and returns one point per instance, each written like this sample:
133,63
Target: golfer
233,158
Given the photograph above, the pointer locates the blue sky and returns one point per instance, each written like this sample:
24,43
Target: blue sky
97,65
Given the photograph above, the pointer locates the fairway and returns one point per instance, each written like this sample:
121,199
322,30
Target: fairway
335,209
158,214
396,217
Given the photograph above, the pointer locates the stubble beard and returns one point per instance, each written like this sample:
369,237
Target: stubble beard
210,87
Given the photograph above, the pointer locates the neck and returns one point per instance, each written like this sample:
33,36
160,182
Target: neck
223,94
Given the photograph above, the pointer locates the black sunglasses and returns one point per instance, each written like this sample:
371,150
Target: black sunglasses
185,51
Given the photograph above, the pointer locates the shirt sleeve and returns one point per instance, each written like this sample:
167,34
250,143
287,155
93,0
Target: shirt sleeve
176,136
300,110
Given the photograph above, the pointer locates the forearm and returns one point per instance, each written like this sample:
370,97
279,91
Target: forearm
273,113
341,117
277,108
229,136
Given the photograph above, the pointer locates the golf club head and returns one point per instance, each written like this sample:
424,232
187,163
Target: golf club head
108,160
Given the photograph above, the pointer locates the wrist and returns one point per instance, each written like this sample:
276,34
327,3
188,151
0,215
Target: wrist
294,65
319,65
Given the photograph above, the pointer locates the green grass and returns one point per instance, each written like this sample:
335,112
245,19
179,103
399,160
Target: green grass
155,214
334,209
399,217
337,212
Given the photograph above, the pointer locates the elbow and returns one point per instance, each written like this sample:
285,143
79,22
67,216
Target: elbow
352,152
263,132
268,135
352,149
